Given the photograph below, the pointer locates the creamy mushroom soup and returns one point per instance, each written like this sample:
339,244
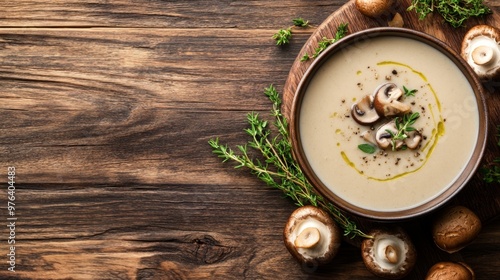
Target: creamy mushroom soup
390,179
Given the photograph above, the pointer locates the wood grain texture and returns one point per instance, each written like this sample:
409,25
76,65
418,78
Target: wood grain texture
107,107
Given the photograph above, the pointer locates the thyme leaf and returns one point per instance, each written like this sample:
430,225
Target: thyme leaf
455,12
276,165
300,22
283,36
408,92
341,32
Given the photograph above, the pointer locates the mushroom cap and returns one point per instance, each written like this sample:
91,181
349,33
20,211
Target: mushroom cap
481,50
389,254
450,271
374,8
307,217
386,100
454,228
363,111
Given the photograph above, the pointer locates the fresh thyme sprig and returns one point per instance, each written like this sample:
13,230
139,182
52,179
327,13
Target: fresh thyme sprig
300,22
277,167
283,36
403,126
491,172
342,30
455,12
409,92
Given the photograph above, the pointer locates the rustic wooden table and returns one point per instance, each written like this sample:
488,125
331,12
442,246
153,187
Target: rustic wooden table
107,107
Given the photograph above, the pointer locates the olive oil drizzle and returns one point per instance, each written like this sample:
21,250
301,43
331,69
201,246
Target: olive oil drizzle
437,132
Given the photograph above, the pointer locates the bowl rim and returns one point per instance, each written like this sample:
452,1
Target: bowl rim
437,201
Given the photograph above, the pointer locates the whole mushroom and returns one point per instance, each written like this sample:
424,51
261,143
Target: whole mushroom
311,236
389,254
454,228
450,271
481,50
374,8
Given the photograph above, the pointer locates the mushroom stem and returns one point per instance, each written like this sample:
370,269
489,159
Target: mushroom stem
483,55
308,238
391,254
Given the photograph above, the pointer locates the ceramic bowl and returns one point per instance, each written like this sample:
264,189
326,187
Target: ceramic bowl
397,182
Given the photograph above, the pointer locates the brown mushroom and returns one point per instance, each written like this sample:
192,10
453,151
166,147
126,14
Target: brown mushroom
384,138
397,21
374,8
311,236
413,140
389,254
363,111
386,100
454,228
450,271
481,50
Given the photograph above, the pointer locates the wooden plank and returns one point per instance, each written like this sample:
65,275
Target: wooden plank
163,14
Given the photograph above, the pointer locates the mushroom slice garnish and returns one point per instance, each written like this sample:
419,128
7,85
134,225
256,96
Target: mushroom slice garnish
363,112
311,236
451,271
384,138
389,254
386,100
481,50
369,137
413,140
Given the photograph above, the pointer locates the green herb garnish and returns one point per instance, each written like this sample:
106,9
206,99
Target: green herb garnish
408,92
491,172
367,148
455,12
283,36
277,167
403,126
341,32
300,22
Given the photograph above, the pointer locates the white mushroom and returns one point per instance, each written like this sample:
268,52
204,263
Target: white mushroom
384,138
481,50
389,254
386,100
363,112
311,236
413,140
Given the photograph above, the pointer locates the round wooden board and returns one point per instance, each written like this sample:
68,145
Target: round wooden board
482,198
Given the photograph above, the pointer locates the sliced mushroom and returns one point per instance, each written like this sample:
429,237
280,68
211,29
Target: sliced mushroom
386,100
454,228
481,50
369,137
311,236
374,8
363,112
384,138
389,254
413,140
450,271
